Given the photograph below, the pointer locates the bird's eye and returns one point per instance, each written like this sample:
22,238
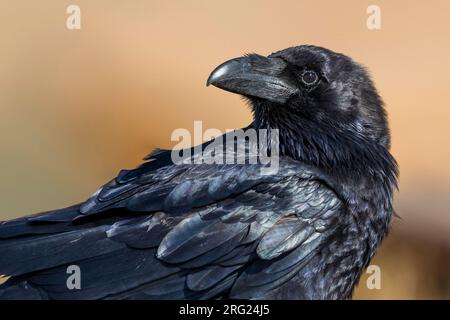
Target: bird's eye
309,77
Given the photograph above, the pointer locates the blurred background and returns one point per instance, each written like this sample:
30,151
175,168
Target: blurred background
76,106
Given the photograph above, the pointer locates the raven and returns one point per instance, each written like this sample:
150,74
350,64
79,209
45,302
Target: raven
168,230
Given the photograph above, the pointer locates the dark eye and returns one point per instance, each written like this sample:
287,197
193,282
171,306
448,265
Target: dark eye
309,77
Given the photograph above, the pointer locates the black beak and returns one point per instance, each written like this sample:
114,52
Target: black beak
255,76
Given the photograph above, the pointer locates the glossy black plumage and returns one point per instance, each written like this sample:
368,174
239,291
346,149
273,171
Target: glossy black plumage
165,231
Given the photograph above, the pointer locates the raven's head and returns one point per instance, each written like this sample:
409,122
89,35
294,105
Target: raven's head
324,104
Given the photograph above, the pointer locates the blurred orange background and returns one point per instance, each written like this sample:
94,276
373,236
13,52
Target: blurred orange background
79,105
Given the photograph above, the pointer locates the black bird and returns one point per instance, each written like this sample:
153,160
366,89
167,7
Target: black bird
200,231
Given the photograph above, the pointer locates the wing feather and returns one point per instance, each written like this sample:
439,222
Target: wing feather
165,231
